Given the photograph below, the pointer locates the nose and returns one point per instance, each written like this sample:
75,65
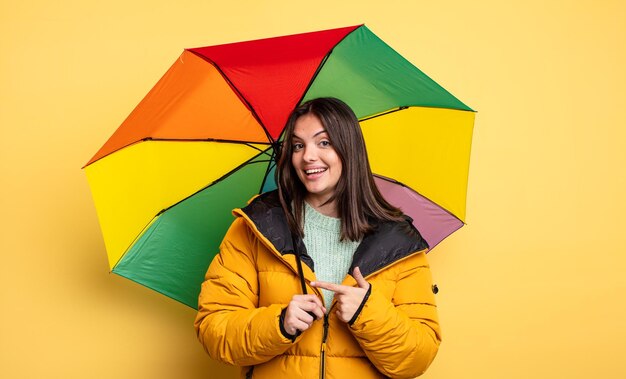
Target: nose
309,154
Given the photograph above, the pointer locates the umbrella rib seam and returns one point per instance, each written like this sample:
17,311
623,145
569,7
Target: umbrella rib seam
239,94
323,62
390,180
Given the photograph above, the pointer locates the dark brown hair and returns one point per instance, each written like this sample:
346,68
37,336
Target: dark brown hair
359,203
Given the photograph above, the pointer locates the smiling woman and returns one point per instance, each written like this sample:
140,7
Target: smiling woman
323,255
316,163
349,191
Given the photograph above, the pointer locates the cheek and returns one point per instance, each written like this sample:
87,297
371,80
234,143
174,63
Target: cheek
337,163
295,161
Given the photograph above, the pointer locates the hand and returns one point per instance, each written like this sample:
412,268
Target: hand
298,314
348,298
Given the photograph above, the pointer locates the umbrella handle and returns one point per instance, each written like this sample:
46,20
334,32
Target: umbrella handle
301,273
302,283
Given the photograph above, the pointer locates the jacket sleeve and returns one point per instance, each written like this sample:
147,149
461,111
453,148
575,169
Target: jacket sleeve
401,336
230,325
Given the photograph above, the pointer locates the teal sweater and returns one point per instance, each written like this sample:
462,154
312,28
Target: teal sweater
331,257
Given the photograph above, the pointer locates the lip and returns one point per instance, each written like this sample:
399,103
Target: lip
321,170
314,175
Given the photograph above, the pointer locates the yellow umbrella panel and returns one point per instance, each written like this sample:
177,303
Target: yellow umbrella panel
427,149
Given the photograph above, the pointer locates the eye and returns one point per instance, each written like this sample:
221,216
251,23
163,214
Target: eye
297,146
325,143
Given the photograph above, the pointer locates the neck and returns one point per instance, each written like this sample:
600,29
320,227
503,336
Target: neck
328,209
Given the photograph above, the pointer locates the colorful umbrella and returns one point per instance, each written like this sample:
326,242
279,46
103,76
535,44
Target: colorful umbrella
201,143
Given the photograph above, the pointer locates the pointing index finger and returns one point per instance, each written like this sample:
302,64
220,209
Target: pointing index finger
360,280
328,286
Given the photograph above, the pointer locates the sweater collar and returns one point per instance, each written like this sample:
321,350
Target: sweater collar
330,224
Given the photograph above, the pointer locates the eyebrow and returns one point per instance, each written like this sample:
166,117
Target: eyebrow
315,135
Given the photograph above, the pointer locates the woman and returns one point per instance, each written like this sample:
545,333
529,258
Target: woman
321,278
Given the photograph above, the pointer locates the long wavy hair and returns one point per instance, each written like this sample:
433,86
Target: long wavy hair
359,203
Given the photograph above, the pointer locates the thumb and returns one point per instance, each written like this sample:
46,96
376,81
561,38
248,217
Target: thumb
362,283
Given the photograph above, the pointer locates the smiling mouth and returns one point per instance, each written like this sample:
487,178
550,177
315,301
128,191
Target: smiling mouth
314,171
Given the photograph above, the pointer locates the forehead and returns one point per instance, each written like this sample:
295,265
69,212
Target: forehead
308,126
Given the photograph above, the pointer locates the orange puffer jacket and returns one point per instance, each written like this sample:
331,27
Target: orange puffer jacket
395,334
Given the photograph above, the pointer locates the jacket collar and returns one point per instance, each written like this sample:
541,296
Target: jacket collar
387,244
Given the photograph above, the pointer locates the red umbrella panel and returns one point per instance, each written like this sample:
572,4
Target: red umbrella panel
200,144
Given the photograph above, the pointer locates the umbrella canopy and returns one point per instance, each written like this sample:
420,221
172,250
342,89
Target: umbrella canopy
200,144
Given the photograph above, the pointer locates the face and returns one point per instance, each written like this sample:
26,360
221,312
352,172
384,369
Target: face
315,160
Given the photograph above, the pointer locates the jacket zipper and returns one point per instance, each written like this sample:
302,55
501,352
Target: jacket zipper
323,348
325,335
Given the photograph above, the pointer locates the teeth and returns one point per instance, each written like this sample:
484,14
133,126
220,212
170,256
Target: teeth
314,171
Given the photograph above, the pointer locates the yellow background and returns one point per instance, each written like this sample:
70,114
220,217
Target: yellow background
533,287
